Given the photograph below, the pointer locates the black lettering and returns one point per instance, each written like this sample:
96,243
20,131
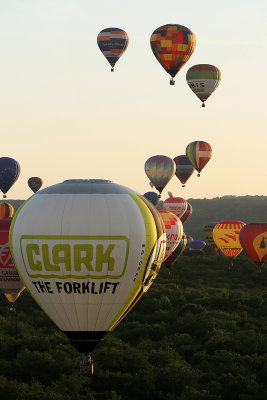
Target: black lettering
85,287
67,287
77,287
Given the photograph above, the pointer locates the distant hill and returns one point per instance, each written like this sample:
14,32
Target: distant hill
244,208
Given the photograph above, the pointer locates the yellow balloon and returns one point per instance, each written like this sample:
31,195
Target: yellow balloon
226,237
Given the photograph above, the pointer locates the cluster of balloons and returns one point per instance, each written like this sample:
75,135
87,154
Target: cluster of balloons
172,45
160,169
232,236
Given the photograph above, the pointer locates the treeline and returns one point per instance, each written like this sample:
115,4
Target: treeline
199,333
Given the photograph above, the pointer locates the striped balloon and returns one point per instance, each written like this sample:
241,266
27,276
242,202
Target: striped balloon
174,231
172,45
6,210
176,205
160,169
199,153
112,42
203,79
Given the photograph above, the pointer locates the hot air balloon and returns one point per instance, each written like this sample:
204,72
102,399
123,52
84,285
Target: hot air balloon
197,245
253,239
199,153
172,45
226,237
160,170
174,231
87,250
187,214
173,257
203,79
6,210
10,283
152,197
35,183
208,232
112,42
9,173
184,169
176,205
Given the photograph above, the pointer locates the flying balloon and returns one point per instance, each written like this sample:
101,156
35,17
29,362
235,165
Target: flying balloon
208,232
174,231
226,237
197,245
199,153
176,205
6,210
160,170
253,239
35,183
184,169
9,173
10,283
187,214
173,257
112,42
152,197
172,45
87,250
203,79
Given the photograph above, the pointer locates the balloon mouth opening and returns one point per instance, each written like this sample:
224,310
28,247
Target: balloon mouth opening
75,181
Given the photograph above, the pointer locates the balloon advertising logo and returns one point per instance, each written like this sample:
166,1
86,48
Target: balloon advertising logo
76,257
5,256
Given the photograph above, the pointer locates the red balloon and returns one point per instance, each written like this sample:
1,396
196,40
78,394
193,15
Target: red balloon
187,214
10,282
253,239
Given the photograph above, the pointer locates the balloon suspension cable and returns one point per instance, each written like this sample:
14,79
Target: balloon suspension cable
87,365
203,105
112,69
172,82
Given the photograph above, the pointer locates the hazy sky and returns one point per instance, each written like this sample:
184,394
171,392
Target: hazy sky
64,115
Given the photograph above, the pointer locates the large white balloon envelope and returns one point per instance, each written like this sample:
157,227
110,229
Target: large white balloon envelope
87,250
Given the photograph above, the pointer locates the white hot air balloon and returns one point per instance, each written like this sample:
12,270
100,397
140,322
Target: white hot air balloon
87,250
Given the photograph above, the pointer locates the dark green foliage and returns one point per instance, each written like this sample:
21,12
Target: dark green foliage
200,333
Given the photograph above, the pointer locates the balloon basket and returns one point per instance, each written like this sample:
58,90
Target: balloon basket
112,69
4,196
198,175
203,105
172,82
87,365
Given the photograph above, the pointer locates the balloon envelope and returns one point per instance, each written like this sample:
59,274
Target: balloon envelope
199,153
172,45
253,239
112,42
187,214
203,79
175,205
197,245
174,231
152,197
173,257
226,237
184,168
10,282
208,232
35,183
87,250
6,210
160,169
9,173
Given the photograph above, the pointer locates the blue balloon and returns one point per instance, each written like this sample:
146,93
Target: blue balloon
197,245
152,197
9,173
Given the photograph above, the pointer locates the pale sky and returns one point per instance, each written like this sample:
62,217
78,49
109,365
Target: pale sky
64,115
